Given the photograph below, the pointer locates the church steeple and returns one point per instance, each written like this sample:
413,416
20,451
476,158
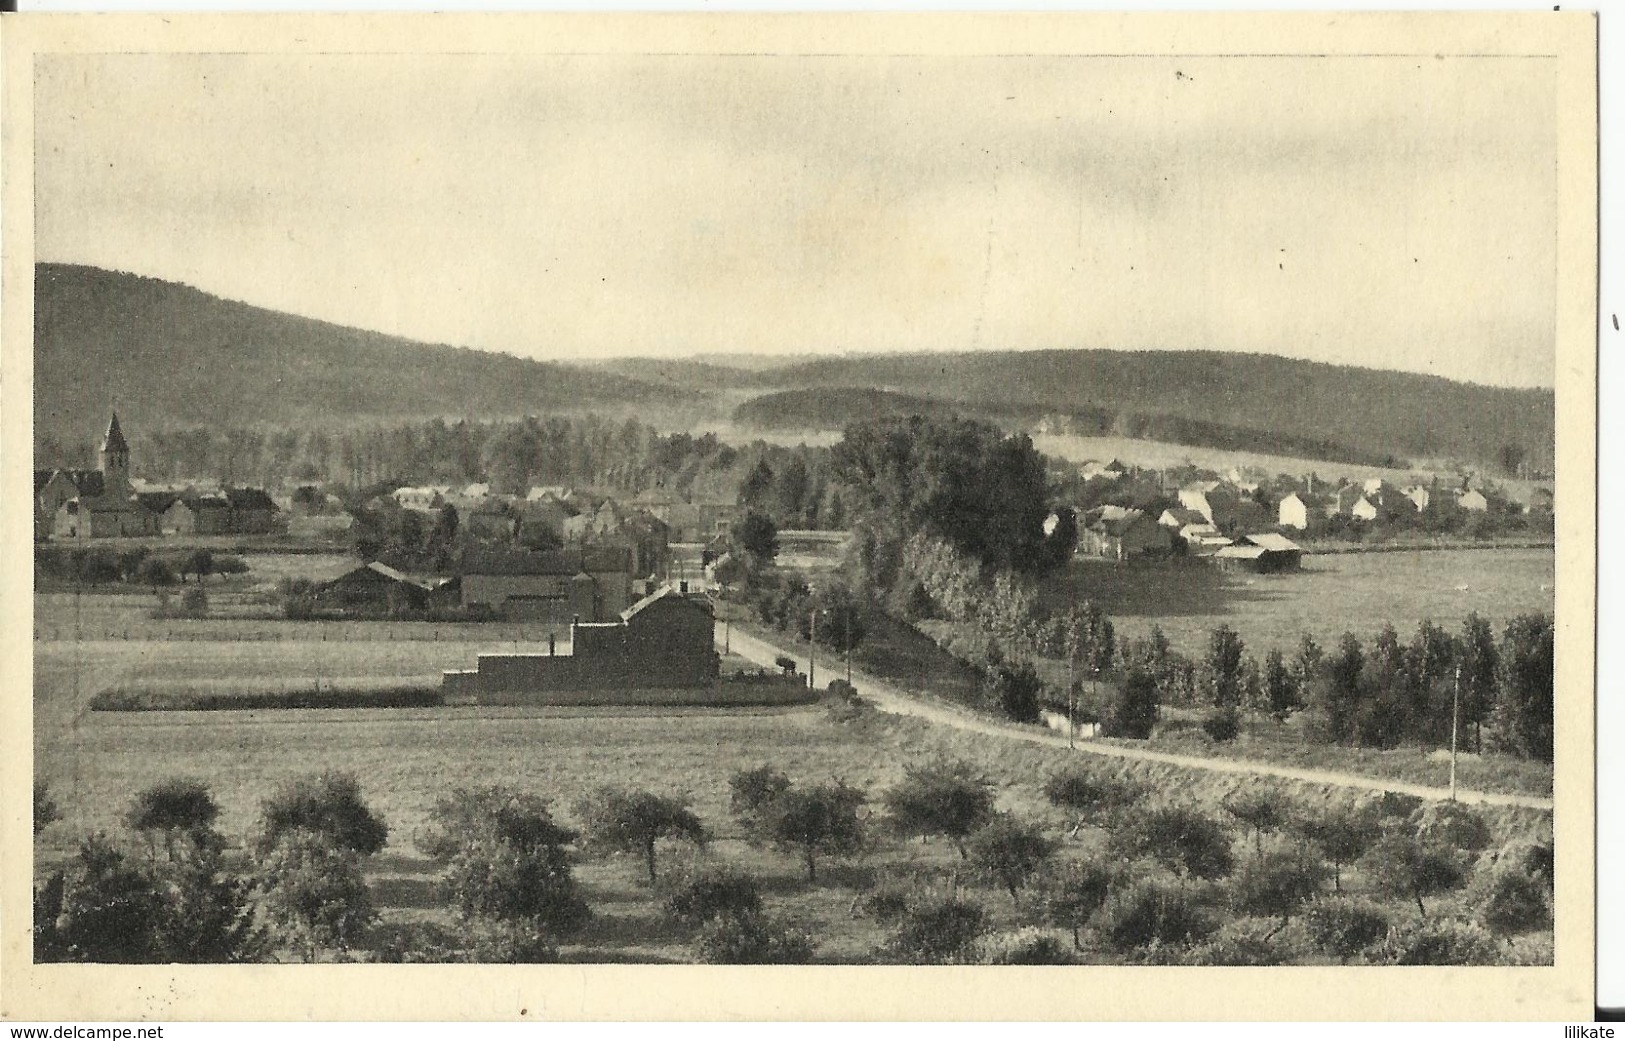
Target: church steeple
115,459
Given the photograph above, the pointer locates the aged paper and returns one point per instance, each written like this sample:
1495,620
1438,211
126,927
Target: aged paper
44,49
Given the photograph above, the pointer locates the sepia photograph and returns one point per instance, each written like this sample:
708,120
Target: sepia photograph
827,494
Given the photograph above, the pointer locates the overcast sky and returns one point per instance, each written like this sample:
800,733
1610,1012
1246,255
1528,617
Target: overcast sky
1390,212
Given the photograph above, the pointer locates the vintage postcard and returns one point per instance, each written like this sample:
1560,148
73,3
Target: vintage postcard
799,516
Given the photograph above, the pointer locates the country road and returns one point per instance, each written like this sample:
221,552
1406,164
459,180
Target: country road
890,699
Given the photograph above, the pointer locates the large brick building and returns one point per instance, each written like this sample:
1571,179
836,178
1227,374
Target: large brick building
661,649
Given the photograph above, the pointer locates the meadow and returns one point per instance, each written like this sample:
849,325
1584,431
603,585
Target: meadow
1333,594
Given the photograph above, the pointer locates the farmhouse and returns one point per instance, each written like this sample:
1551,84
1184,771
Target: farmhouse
660,650
1119,534
583,584
375,586
1264,553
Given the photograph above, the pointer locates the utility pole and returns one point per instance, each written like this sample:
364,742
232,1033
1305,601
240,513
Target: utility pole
1455,712
812,651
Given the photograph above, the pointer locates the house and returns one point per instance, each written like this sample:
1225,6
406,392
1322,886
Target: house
252,511
1264,553
375,587
427,497
547,514
1119,533
192,514
1178,518
1473,501
696,522
52,488
1302,511
1223,506
493,521
661,649
585,584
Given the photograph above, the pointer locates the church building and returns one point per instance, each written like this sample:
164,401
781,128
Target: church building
92,504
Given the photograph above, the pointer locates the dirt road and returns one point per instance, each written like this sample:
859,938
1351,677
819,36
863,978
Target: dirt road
889,698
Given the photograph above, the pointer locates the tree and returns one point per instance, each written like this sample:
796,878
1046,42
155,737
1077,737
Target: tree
199,562
1342,832
1187,842
1091,797
1262,808
946,798
209,915
1479,660
1523,720
1344,926
1133,712
1071,891
156,572
818,821
1345,691
1283,695
622,821
173,809
313,891
1275,883
758,536
1223,665
230,564
1153,913
1013,689
755,489
1451,825
508,871
1009,851
328,804
1404,865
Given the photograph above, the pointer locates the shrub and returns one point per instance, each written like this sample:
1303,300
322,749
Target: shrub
947,798
1013,689
1277,882
209,915
714,893
328,804
1183,840
467,815
1133,712
230,564
1151,913
156,572
622,821
753,940
1222,724
1439,942
1244,941
938,931
107,908
750,791
194,604
1025,947
1452,825
1344,926
1008,852
1507,899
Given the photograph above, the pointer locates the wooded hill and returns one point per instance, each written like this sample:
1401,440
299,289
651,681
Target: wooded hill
1245,401
168,355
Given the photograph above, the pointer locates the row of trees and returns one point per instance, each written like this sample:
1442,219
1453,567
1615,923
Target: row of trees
136,566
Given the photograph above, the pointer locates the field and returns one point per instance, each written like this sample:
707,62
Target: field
1335,593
